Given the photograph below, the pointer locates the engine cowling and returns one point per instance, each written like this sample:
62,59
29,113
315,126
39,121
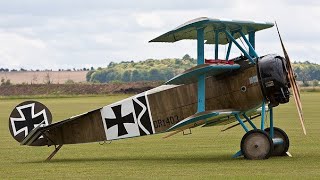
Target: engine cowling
273,78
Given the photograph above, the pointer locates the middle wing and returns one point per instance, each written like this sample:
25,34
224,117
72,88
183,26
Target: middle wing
191,75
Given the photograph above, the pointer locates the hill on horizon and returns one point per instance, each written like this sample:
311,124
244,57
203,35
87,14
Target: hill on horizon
130,71
165,69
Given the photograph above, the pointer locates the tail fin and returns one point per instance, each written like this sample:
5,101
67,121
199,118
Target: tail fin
27,116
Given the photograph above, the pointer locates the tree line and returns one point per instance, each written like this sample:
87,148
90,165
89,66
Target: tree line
148,70
165,69
306,71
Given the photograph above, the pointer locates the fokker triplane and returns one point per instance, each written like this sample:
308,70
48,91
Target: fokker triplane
214,92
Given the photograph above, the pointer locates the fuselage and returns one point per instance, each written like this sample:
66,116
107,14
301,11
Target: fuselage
238,90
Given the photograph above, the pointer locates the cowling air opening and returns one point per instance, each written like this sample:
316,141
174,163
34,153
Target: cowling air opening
26,117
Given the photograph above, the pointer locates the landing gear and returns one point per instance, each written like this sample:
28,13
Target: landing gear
282,148
256,144
262,143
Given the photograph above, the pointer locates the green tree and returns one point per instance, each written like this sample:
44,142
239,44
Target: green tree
136,76
187,57
126,77
112,75
154,75
315,83
99,76
88,75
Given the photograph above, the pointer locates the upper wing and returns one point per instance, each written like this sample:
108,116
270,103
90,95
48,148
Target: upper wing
191,75
188,30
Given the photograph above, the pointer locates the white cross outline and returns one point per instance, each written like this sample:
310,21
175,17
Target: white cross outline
22,118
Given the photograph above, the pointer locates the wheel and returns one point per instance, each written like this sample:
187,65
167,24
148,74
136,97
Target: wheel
256,144
280,149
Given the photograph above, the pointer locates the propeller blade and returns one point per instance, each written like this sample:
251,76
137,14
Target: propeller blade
294,86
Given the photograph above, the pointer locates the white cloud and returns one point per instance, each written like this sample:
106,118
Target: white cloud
17,50
64,34
149,20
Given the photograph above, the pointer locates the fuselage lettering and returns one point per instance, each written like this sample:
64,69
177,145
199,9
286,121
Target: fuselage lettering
167,122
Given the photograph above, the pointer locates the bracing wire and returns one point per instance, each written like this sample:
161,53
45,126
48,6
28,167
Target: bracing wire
216,137
243,44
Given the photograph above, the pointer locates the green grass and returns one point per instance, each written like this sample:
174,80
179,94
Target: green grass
206,154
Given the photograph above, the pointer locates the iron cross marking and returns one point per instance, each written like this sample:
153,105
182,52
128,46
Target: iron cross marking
29,122
119,120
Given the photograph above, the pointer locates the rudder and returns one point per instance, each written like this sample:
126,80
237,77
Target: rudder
25,117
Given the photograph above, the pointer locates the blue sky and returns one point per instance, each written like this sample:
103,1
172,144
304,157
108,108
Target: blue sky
65,34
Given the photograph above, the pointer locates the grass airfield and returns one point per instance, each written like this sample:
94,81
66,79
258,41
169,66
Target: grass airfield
205,154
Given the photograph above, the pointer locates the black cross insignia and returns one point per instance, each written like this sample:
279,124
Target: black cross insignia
119,120
29,121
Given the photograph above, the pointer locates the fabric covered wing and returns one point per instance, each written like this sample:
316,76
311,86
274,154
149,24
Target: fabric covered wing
188,30
191,75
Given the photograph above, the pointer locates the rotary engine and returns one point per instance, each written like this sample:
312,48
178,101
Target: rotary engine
273,78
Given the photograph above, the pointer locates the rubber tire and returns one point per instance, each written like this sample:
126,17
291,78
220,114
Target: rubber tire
249,142
281,149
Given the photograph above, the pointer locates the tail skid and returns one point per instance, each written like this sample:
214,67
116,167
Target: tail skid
57,148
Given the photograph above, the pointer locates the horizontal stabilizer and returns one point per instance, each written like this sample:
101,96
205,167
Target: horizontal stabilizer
66,121
44,131
191,75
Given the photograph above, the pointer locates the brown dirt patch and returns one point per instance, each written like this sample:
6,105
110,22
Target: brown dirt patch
75,89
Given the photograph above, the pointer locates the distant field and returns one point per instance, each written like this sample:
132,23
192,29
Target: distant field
310,89
206,154
40,77
19,90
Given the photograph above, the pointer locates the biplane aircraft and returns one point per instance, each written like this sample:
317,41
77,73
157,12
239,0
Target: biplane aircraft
214,92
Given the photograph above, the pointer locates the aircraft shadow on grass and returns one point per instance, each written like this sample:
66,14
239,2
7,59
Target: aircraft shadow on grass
183,159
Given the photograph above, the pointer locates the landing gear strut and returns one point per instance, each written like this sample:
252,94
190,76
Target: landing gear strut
262,143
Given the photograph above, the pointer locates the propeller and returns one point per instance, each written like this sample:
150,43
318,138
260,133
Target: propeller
293,83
